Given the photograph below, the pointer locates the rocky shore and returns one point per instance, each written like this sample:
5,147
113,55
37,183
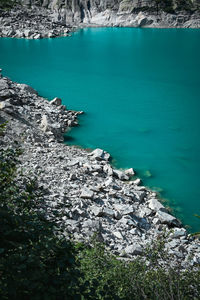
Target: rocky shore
31,23
52,20
82,192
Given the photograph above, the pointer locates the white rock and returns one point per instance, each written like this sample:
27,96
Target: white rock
137,181
108,170
97,211
86,193
121,175
44,125
56,101
166,218
178,232
108,181
130,172
100,154
155,205
108,212
134,249
118,235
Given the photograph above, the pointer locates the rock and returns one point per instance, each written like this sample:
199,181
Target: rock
108,170
119,174
3,85
127,210
142,20
6,106
92,224
118,235
108,212
135,231
28,89
100,154
145,212
56,101
178,232
86,193
108,181
166,218
27,33
172,244
72,177
80,190
155,205
117,215
134,250
37,36
73,162
129,172
44,125
137,181
139,196
196,259
97,211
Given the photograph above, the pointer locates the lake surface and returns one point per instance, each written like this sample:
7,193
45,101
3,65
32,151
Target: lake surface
140,90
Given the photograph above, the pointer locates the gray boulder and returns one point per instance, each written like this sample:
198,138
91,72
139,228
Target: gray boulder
56,101
86,193
155,205
135,249
166,218
100,154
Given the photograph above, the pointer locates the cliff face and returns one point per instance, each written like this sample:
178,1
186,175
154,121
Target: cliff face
110,12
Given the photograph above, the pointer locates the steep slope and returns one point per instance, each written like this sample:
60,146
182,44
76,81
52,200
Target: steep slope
112,12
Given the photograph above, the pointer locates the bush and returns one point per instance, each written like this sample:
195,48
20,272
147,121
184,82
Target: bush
7,4
106,277
34,263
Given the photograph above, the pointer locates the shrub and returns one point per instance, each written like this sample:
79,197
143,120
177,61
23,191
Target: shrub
34,263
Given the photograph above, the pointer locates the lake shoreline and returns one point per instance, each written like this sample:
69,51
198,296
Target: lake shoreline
40,22
83,193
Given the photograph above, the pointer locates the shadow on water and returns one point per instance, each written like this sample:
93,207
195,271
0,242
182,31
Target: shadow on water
68,138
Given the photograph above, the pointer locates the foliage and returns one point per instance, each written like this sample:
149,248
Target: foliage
106,277
7,4
3,128
165,5
34,263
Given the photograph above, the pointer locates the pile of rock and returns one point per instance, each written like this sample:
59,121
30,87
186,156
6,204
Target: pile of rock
31,23
32,116
82,192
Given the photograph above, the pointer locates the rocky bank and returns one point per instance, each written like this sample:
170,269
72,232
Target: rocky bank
81,190
51,18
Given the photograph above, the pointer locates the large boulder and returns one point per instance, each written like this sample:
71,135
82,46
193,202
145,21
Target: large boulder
168,219
155,205
100,154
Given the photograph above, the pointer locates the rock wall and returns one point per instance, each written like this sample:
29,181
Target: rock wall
121,12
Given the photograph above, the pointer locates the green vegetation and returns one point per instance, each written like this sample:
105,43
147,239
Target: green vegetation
38,263
34,263
7,4
166,5
170,6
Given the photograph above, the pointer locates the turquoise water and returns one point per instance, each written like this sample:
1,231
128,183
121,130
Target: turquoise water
140,90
